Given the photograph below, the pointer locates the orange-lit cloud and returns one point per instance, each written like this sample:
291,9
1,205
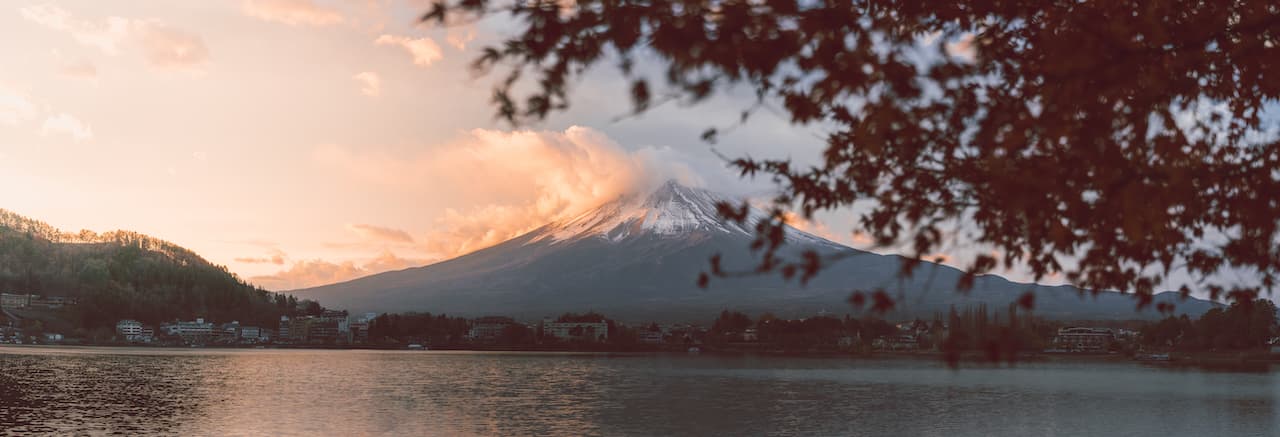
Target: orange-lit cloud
311,273
169,47
291,12
424,51
370,83
276,257
458,37
511,182
105,35
380,233
80,70
66,124
162,45
15,108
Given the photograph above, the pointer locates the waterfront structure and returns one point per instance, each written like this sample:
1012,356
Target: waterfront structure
1077,339
315,330
360,330
284,328
576,331
489,329
250,333
197,331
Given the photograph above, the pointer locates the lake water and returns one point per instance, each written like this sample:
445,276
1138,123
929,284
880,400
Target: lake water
315,392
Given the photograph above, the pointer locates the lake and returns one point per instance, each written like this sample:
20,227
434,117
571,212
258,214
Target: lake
345,392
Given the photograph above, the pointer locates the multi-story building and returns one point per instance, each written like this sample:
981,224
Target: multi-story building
197,331
283,333
250,333
130,329
8,300
1084,339
360,330
488,329
315,330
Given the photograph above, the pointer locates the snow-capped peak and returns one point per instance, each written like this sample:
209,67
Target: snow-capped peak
671,211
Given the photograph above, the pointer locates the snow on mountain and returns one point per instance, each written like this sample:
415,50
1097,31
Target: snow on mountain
671,211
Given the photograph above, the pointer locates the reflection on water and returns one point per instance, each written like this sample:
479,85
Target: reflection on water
276,392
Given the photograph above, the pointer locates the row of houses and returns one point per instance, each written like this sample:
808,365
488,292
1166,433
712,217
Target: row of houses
196,331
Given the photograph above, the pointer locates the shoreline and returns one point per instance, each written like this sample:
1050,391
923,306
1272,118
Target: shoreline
1199,359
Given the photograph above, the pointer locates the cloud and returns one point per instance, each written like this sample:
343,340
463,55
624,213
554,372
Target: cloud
546,176
169,47
381,233
276,257
291,12
15,108
80,70
63,123
106,35
162,45
303,274
425,51
370,83
458,37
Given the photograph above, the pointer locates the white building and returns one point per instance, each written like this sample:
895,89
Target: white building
199,329
129,329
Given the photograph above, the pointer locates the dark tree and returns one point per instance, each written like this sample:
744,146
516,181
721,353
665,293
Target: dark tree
1124,137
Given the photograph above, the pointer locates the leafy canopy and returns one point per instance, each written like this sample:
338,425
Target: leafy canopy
1117,142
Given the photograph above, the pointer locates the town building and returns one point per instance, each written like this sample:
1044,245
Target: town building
8,300
250,333
1078,339
129,329
197,331
360,329
489,329
283,333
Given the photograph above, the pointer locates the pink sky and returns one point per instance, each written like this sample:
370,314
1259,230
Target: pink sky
302,142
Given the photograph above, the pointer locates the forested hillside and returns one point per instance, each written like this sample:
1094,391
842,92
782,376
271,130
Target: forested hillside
123,274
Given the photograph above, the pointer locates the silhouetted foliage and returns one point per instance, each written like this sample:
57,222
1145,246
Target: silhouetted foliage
589,317
1239,326
1112,141
729,322
436,330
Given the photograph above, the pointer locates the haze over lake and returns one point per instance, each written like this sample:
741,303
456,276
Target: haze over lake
307,392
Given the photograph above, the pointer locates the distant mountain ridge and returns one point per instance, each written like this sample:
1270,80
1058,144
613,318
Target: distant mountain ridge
637,258
125,275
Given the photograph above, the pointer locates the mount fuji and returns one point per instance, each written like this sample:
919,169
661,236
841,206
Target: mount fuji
637,258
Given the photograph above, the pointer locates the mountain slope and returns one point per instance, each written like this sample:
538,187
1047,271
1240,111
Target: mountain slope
122,274
637,258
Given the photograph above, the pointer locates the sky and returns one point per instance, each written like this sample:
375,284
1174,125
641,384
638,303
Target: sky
303,142
306,142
